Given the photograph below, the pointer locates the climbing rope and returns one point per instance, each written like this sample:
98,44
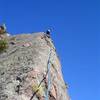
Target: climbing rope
49,76
49,79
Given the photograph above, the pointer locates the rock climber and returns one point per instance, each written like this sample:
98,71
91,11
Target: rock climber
3,32
48,33
2,29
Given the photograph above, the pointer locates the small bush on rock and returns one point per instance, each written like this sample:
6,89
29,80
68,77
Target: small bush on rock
3,45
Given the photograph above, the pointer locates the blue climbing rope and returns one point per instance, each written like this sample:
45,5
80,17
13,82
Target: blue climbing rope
49,77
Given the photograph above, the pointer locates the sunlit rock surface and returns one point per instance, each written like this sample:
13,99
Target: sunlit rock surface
24,73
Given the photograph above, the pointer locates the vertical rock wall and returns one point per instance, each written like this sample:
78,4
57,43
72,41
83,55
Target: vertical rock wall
24,69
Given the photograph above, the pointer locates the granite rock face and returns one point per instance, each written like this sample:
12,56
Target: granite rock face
24,73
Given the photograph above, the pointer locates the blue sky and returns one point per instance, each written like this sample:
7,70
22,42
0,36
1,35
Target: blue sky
76,28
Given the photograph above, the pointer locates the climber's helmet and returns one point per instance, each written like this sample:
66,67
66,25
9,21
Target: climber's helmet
48,32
